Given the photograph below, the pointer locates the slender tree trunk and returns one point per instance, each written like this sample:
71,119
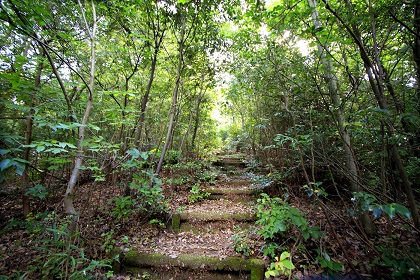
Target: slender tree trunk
197,111
28,138
157,43
175,97
331,80
146,99
68,197
377,86
416,49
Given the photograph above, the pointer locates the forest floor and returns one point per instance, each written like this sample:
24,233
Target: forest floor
25,245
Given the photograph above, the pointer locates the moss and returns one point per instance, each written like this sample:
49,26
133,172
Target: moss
257,269
231,191
176,221
116,256
218,216
141,259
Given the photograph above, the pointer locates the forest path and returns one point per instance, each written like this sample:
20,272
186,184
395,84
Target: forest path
201,243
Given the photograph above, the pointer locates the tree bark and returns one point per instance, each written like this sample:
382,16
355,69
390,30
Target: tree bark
28,139
174,103
146,96
416,49
158,35
331,80
197,111
68,197
377,86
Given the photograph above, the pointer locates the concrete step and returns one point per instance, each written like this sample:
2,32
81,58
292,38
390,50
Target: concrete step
134,261
231,191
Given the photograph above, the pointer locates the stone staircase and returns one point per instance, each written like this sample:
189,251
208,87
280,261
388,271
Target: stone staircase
200,244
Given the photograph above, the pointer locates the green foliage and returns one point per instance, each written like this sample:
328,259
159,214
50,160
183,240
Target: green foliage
243,243
158,222
51,146
253,165
327,263
403,264
109,242
315,188
151,199
281,265
5,165
146,276
123,207
207,177
148,196
260,182
192,172
173,157
276,217
37,191
367,202
58,258
197,194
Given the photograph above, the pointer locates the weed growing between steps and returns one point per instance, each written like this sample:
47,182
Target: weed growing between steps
280,225
197,194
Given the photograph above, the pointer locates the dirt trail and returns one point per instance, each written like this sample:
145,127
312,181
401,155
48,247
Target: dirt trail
199,245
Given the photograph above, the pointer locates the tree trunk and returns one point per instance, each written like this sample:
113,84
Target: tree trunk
146,98
68,197
28,138
330,79
175,97
377,86
197,111
158,38
416,49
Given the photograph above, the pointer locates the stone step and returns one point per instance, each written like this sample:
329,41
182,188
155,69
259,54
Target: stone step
234,198
135,260
180,218
231,160
231,191
174,273
198,227
181,221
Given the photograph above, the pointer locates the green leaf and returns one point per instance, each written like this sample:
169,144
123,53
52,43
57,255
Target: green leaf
288,264
389,209
40,148
20,167
134,153
62,144
270,273
271,4
401,209
144,155
29,146
284,256
60,126
4,164
4,152
381,111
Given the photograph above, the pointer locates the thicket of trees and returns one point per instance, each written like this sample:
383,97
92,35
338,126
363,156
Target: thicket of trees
324,94
83,83
346,106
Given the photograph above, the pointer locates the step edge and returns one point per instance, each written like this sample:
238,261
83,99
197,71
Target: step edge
189,261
